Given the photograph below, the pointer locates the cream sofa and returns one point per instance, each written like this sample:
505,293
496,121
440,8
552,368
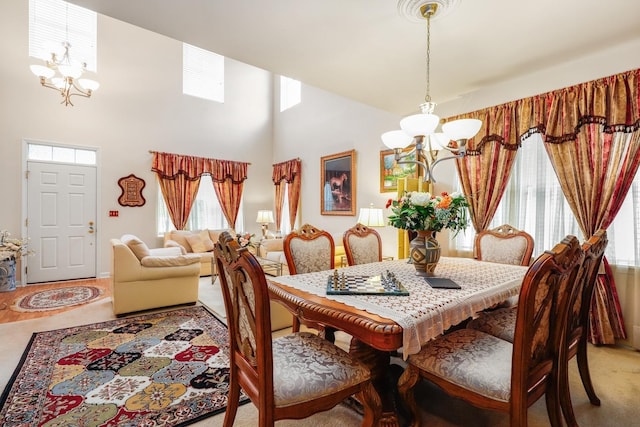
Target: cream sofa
197,241
143,278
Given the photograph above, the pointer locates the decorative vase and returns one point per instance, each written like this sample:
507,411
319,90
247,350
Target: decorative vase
425,252
8,275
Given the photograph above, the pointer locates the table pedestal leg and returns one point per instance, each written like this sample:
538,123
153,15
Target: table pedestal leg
379,364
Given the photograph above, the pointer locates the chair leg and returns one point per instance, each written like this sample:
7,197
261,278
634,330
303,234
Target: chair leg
583,367
296,325
233,399
406,384
372,405
565,397
553,394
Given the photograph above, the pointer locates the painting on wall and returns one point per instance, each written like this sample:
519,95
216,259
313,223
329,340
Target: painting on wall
338,184
391,170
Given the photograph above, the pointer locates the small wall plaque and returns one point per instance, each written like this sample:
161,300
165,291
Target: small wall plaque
131,191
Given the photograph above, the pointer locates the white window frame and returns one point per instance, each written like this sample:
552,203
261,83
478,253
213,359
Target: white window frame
202,73
53,22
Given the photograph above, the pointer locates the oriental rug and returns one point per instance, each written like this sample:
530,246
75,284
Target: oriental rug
169,369
53,299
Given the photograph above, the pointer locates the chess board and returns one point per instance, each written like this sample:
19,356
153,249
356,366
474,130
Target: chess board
341,284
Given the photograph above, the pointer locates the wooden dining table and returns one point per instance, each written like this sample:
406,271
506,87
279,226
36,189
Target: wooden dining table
385,325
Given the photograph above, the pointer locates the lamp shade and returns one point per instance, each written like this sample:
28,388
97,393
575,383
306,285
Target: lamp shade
461,129
42,71
265,217
89,84
371,217
396,139
419,124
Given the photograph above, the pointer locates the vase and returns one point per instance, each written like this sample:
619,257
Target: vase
8,275
425,252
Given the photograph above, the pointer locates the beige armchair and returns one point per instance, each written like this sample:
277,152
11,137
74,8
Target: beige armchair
143,278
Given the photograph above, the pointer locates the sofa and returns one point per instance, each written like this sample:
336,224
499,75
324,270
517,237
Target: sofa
196,242
143,278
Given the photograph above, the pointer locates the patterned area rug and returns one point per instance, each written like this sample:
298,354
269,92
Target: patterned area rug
168,369
53,299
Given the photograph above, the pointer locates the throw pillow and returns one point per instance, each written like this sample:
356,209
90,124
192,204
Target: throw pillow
137,246
196,243
174,244
206,241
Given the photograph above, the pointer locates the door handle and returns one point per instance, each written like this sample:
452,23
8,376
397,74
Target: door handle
91,229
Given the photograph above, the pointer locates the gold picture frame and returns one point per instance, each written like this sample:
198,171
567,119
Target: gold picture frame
338,184
391,171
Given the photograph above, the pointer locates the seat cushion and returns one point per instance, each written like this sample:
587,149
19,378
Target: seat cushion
169,261
306,366
471,359
500,323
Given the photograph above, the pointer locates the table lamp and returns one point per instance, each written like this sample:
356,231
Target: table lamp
265,218
371,217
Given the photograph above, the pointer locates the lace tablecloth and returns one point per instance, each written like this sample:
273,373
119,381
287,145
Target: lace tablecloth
426,312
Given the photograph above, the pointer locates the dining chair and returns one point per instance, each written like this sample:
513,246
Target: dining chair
290,377
362,245
308,250
501,323
495,374
504,244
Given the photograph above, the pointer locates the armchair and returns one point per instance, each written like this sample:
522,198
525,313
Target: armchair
143,278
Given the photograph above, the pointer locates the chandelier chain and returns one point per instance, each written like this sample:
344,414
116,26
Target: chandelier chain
427,97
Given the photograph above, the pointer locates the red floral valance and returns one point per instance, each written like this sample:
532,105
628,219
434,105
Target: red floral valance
168,166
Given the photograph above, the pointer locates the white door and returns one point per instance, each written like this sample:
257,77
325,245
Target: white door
61,215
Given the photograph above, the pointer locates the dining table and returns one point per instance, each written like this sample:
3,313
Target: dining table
386,324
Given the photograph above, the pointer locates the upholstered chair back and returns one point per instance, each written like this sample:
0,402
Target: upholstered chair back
362,245
505,245
308,250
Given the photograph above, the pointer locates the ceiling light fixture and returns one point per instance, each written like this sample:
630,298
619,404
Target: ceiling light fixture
68,81
421,128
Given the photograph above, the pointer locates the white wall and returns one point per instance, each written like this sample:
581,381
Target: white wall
139,107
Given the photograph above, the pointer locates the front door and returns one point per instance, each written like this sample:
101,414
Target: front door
61,215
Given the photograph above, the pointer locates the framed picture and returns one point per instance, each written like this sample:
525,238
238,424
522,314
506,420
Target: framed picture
338,184
391,171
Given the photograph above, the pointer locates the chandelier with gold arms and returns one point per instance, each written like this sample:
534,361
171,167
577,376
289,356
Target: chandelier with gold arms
421,128
61,73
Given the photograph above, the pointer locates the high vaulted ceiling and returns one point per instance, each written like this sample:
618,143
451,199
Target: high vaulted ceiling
367,51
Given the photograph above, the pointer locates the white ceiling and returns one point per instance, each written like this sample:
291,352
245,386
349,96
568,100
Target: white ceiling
367,51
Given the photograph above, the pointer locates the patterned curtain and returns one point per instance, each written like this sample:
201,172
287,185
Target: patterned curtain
179,178
593,141
228,182
288,172
484,172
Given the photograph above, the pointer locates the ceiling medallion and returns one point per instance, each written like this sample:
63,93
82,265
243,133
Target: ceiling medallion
410,9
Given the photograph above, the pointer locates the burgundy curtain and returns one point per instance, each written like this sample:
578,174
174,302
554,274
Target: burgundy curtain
288,172
591,133
179,178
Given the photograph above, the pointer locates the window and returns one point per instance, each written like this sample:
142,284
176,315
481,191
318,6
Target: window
205,212
285,226
202,73
534,202
290,93
54,153
52,22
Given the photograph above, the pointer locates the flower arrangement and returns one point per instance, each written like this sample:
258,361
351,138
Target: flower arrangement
424,211
244,240
12,248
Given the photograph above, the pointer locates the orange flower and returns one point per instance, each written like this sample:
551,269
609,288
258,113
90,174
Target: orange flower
444,203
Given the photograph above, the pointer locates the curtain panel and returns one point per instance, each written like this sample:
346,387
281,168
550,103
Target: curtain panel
179,178
591,135
288,172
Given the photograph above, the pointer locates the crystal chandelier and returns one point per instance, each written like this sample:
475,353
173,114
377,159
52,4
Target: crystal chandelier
421,128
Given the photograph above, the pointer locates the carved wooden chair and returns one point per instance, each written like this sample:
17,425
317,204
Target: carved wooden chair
502,322
308,250
362,245
291,377
495,374
505,245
